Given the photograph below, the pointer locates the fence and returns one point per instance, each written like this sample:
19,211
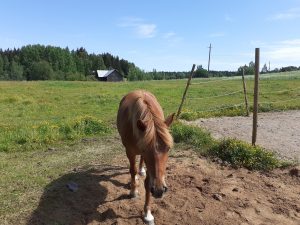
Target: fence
208,97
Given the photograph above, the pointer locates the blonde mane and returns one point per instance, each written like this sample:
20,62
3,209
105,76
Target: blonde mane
155,124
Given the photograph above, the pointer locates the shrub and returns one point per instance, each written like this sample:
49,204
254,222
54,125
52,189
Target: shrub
237,153
90,126
193,136
240,154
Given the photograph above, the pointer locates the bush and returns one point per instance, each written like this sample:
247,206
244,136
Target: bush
193,136
240,154
90,126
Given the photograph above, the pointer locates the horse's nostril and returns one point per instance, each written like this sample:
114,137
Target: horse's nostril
165,189
152,190
159,194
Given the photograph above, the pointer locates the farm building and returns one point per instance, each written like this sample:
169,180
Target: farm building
109,75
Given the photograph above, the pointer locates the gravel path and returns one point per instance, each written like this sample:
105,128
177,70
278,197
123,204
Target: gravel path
277,131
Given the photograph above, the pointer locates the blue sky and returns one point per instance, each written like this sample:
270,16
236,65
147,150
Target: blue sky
166,35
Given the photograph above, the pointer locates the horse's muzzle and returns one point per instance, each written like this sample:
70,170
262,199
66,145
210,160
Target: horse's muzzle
158,193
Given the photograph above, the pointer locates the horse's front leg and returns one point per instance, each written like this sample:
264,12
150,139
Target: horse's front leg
148,217
133,172
142,170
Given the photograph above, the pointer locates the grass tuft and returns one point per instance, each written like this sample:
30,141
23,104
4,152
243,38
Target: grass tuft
235,152
192,135
241,154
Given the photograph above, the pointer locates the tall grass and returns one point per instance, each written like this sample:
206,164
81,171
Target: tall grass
45,133
35,114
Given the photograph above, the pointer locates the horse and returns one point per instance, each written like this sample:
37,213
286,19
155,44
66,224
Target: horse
144,131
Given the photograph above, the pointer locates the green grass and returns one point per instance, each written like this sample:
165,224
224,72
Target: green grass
236,153
24,176
276,92
36,114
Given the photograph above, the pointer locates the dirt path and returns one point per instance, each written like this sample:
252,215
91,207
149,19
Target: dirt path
277,131
200,192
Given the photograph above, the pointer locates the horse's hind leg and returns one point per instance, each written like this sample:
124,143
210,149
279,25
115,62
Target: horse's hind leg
133,172
142,170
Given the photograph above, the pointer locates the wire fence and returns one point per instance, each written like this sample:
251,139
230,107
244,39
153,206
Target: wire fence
200,101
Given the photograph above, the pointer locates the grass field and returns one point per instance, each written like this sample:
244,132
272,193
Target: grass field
37,114
49,128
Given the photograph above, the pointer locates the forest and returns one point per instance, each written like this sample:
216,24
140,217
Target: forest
39,62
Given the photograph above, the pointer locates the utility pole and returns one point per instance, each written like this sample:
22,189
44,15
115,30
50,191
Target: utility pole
209,57
269,67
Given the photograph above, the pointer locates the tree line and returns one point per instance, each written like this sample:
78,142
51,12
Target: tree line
200,72
250,69
39,62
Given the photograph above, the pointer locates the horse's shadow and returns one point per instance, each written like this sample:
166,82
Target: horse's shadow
60,205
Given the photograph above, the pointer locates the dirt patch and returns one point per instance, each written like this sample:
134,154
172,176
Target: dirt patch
277,131
200,192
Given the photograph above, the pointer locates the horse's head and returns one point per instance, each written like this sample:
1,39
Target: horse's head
156,156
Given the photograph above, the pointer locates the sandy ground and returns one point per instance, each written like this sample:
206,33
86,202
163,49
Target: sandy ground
277,131
200,192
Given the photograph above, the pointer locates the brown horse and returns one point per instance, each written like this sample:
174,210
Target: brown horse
145,132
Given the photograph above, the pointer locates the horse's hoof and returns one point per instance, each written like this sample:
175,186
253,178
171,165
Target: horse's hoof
149,222
142,172
149,219
134,194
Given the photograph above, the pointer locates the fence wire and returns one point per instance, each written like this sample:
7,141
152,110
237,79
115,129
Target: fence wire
217,96
213,109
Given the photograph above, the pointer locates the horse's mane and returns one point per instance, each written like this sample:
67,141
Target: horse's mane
144,109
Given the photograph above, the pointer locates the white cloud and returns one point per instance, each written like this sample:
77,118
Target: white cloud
280,53
172,39
290,14
169,35
140,28
228,18
146,30
217,34
288,50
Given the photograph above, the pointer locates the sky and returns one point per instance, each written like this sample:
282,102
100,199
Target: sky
161,34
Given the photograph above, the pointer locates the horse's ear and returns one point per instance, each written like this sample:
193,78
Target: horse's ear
170,120
141,125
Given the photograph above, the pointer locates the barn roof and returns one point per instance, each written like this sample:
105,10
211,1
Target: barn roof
104,73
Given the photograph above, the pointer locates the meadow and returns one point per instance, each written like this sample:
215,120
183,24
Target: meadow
49,129
35,115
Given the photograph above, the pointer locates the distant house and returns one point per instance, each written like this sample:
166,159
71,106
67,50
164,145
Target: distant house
109,75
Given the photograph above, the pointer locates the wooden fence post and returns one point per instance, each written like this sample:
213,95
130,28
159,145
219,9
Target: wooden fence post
245,93
255,102
185,91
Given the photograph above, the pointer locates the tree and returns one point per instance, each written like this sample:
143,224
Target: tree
40,71
16,71
264,69
248,70
200,72
135,73
1,67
